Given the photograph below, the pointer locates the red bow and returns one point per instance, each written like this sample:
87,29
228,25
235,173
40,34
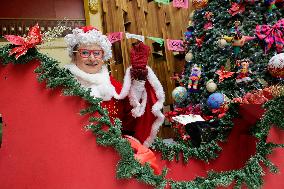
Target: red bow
144,155
24,44
271,34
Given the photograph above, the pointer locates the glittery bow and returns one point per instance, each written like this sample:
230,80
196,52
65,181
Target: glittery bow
24,44
271,34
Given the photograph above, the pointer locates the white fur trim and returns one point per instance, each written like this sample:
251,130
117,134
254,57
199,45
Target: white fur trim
134,36
93,36
99,83
136,93
156,108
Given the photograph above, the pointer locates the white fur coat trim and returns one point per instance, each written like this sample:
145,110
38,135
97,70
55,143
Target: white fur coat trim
99,83
101,87
156,108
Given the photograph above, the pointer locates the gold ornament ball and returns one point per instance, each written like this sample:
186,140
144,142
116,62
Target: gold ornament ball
222,43
199,4
211,86
188,57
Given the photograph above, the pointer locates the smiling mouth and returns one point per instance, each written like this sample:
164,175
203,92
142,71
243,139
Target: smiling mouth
92,64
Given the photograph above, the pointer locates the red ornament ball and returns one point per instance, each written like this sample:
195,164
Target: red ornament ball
199,4
276,66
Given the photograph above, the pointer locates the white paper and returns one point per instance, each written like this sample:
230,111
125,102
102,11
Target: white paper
185,119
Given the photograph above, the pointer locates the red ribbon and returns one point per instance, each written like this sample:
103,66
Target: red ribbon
24,44
271,34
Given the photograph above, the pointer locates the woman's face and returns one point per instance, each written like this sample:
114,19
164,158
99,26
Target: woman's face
89,58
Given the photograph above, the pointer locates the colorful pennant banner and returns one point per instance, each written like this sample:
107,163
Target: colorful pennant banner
134,36
175,45
157,40
115,36
163,1
180,3
172,45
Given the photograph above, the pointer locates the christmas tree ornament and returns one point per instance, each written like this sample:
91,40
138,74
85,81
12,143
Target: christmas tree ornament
208,16
189,57
276,66
223,74
222,43
215,100
244,71
194,78
237,8
211,86
179,94
270,35
199,4
237,39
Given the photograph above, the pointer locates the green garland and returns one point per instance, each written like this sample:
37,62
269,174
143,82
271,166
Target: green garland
251,174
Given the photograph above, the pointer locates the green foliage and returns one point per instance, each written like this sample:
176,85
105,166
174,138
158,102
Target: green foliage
211,57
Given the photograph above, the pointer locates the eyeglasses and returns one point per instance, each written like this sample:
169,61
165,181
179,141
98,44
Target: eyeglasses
85,53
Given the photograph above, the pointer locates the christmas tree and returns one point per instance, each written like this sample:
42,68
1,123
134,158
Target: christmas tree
232,42
230,45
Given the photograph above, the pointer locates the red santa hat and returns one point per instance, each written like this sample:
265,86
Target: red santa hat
88,35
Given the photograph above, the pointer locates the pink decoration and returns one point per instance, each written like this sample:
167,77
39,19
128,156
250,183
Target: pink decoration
175,45
115,36
180,3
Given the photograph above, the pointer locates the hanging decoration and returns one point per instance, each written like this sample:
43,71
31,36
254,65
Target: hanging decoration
208,16
175,45
244,71
115,36
180,4
194,78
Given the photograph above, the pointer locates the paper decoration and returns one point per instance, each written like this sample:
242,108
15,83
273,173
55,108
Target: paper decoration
157,40
115,36
175,45
180,3
185,119
134,36
163,1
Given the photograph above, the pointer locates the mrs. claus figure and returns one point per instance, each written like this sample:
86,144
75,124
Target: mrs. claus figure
138,102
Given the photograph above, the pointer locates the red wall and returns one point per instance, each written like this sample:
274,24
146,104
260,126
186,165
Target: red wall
53,9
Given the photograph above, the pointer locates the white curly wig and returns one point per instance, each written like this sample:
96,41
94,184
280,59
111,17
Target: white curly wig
78,36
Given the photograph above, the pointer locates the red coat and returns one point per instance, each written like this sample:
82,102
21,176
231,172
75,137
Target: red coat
140,127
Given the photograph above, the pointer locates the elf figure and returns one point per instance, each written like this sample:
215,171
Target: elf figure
194,78
238,40
244,71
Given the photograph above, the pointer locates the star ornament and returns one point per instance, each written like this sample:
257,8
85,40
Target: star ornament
223,74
